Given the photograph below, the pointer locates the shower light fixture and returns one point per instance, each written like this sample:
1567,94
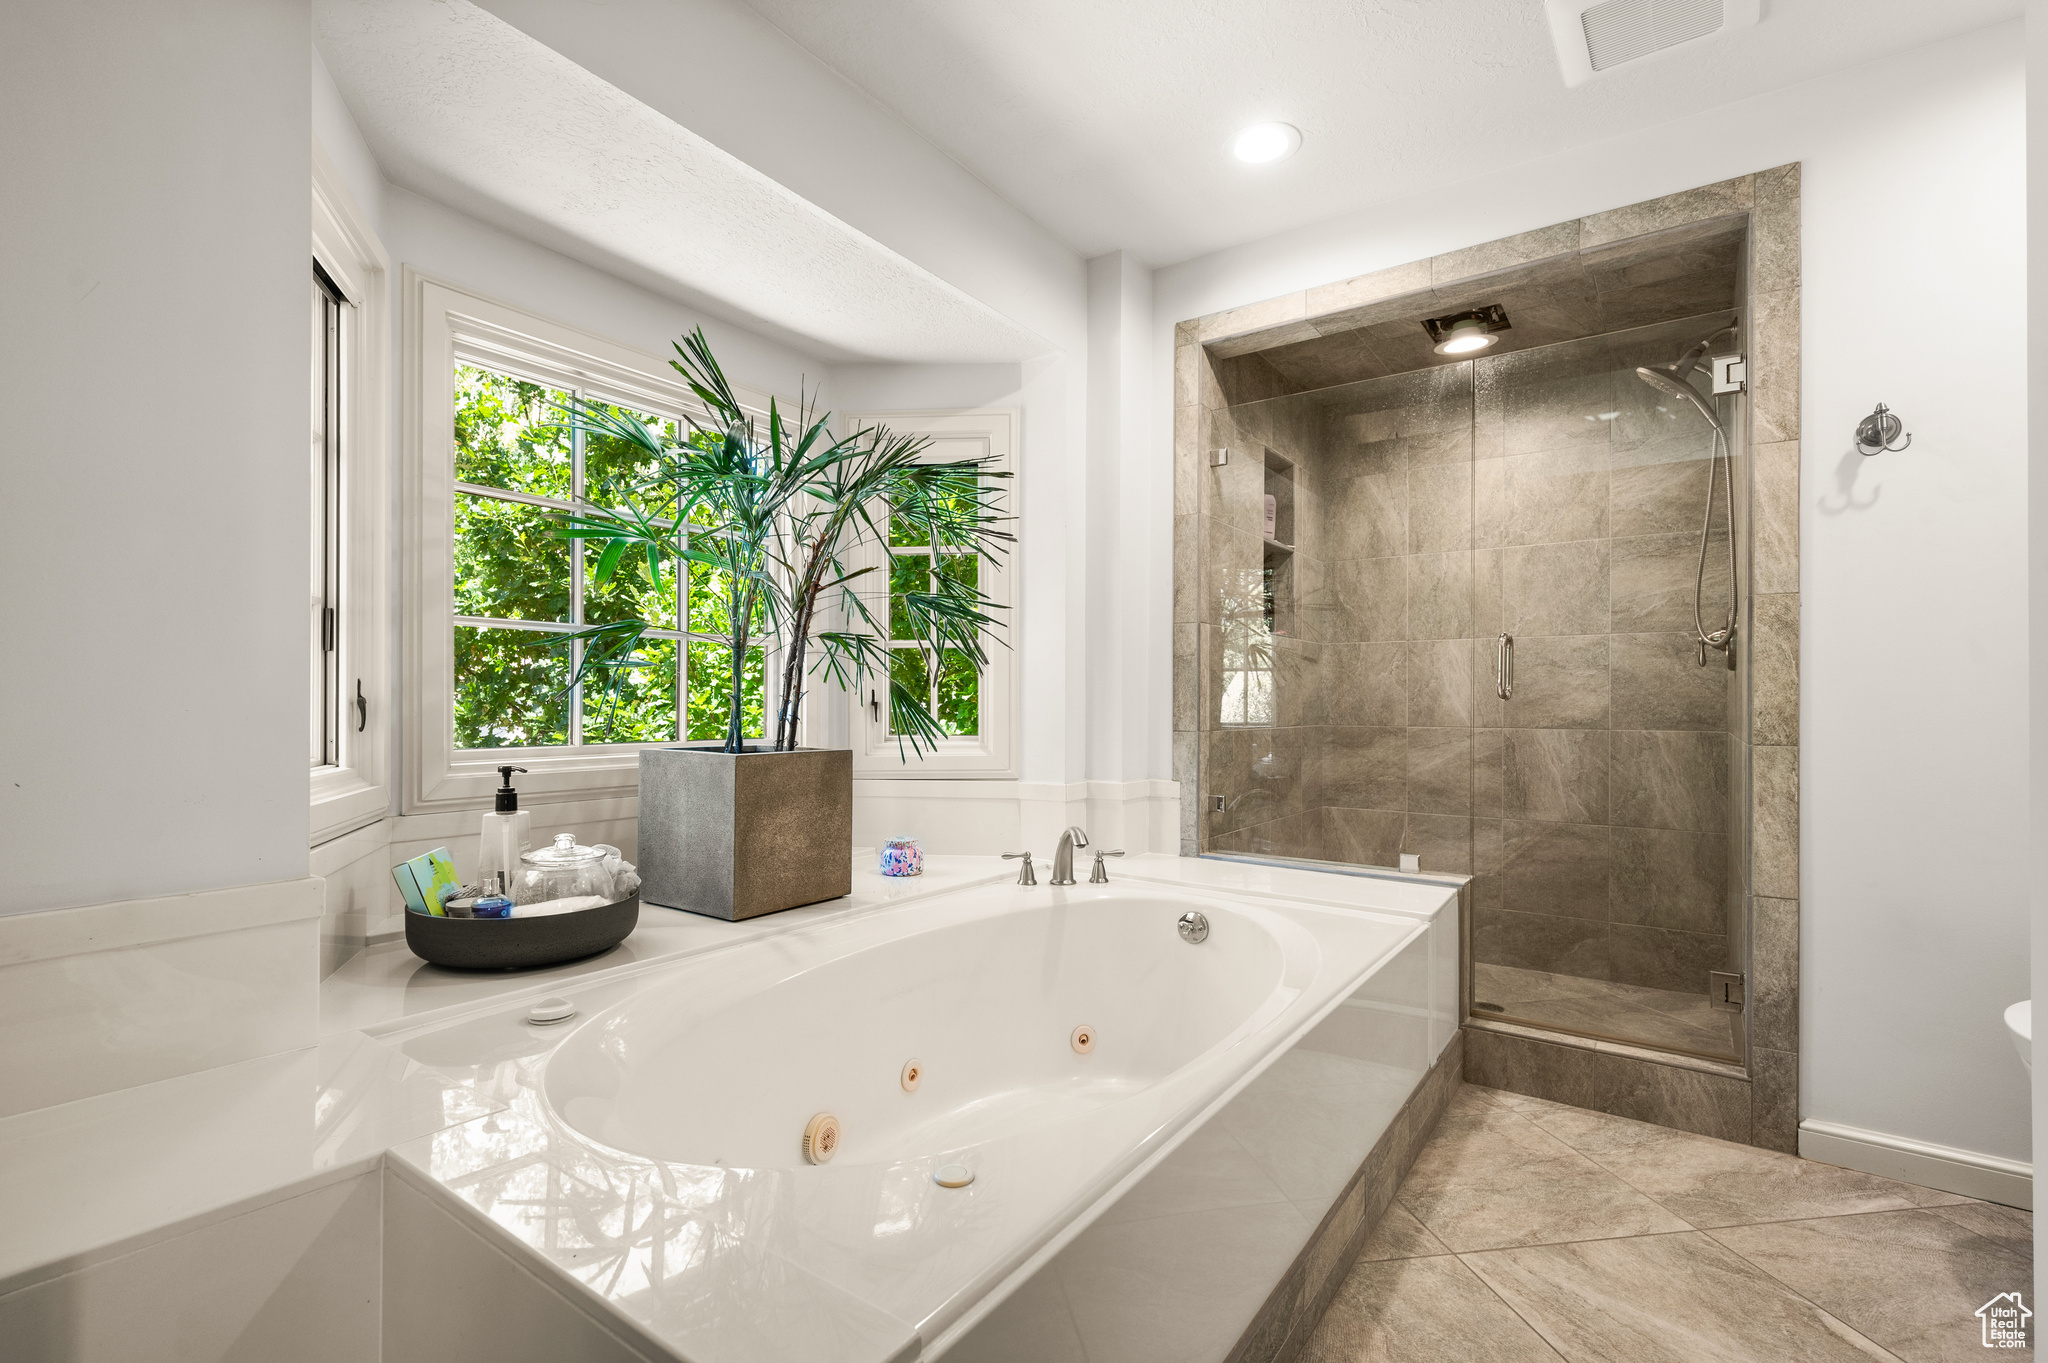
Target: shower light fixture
1467,333
1264,142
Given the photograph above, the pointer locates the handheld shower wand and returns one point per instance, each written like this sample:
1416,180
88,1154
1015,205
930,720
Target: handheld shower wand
1673,379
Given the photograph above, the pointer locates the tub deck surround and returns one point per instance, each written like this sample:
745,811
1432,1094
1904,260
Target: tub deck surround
386,986
866,1257
89,1180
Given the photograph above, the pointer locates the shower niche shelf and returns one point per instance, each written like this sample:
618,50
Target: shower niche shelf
1278,512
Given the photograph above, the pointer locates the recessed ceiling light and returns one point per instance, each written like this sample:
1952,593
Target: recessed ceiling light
1466,333
1263,142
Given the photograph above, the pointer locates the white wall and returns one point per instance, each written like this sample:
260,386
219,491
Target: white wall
1913,641
2037,537
156,219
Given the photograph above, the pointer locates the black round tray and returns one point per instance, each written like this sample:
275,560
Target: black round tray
520,943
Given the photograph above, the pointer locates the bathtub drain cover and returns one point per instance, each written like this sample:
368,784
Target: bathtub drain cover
952,1176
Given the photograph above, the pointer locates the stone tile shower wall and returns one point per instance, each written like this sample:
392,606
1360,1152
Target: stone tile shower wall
1326,656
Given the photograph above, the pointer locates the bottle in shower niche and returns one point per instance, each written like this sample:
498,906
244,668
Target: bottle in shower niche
1272,514
507,833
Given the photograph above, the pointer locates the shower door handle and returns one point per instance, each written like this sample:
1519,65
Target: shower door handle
1504,666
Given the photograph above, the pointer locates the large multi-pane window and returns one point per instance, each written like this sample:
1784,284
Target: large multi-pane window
521,591
324,594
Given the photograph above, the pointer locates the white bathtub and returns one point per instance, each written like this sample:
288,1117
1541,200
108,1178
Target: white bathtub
680,1098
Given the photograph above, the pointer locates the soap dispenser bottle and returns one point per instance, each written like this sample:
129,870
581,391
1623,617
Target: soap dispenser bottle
508,831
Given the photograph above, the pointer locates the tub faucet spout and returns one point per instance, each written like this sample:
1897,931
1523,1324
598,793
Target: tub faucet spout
1063,859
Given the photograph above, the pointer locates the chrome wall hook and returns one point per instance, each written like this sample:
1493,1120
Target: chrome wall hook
1876,432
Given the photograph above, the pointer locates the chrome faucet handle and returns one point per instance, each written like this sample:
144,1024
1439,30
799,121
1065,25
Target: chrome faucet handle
1100,875
1025,875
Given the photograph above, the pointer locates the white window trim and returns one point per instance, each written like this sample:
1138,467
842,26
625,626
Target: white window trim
446,325
357,790
992,754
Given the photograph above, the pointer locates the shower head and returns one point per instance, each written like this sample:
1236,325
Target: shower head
1672,378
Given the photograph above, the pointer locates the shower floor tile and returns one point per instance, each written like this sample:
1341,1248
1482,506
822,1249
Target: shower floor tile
1662,1018
1763,1257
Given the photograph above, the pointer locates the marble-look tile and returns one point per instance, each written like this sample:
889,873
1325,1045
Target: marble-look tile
1554,402
1298,683
1653,578
1661,214
1187,773
1361,768
1665,1299
1681,1100
1774,848
1187,675
1554,589
1187,569
1659,683
1264,315
1234,492
1775,506
1439,595
1774,973
1368,599
1553,495
1774,1102
1440,771
1662,959
1260,773
1443,842
1774,670
1774,366
1912,1281
1452,267
1400,1236
1606,1008
1440,682
1540,941
1233,576
1671,779
1366,509
1666,497
1774,230
1560,775
1402,1310
1560,869
1670,878
1714,1183
2009,1227
1561,682
1363,837
1439,508
1491,1179
1489,409
1487,745
1366,683
1335,306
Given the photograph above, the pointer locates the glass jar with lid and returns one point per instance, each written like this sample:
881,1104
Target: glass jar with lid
564,871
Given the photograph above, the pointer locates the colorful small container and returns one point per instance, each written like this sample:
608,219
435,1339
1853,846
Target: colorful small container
902,857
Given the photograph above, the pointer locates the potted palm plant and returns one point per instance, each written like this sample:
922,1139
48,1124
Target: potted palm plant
789,518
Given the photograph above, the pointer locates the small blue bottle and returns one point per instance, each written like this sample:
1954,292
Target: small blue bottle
493,906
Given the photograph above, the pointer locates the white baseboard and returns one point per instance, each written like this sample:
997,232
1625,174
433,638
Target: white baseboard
1963,1172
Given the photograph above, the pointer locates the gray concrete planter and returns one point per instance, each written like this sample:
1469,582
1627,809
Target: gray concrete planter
737,835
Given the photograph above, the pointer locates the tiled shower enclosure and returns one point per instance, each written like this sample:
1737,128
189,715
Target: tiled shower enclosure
1360,521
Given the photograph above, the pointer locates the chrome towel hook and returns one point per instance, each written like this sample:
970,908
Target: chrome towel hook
1876,432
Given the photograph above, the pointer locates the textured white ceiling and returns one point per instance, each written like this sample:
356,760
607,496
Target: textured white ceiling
463,108
1106,120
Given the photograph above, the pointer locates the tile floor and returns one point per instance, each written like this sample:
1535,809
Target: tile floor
1532,1232
1661,1018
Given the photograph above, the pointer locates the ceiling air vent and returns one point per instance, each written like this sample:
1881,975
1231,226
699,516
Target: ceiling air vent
1596,37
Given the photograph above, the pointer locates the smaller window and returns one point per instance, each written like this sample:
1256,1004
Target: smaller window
324,596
